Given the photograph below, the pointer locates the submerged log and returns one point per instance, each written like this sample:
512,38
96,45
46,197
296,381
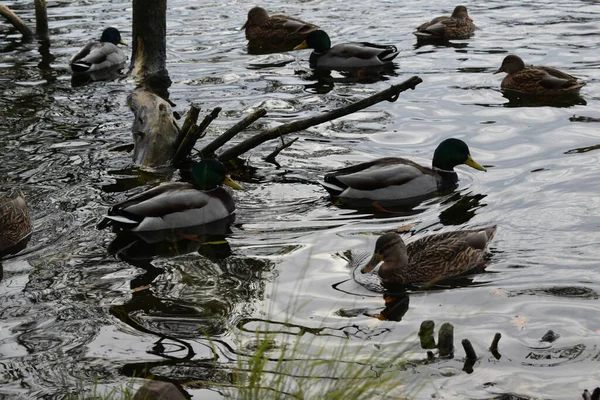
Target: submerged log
16,22
390,94
154,129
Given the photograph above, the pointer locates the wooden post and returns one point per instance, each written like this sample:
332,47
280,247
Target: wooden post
41,21
149,44
155,131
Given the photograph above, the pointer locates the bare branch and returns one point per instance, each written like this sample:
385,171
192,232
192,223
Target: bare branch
271,157
193,135
16,21
390,94
210,149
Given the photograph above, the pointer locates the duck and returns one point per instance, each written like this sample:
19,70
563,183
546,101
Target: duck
99,55
537,80
345,56
393,178
457,26
428,259
177,205
276,30
15,222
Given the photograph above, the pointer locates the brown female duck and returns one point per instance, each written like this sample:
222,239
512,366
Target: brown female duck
536,79
431,258
15,223
457,26
277,31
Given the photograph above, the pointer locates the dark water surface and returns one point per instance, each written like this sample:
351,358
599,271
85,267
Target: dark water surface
69,317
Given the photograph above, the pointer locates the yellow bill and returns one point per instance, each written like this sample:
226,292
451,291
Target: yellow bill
124,43
301,46
232,184
473,164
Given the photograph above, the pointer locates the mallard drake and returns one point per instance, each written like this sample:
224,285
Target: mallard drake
394,178
429,259
101,54
15,223
279,31
345,56
457,26
536,79
177,204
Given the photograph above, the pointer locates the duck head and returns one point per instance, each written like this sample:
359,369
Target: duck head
256,16
391,250
210,174
460,12
112,35
452,152
511,64
317,40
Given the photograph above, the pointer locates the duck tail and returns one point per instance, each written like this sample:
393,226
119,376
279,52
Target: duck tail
80,66
479,239
389,54
331,188
117,220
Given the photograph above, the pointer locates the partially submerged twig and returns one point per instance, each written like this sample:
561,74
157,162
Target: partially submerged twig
471,356
271,157
390,94
16,21
494,346
210,149
193,134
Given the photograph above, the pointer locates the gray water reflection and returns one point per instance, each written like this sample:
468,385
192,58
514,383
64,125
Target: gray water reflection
60,325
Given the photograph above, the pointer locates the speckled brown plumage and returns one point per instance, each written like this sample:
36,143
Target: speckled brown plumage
430,258
457,26
15,223
537,80
278,31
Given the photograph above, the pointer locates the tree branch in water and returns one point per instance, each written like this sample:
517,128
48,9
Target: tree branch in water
390,94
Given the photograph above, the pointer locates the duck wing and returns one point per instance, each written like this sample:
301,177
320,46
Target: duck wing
353,55
432,29
447,254
376,174
162,200
539,80
291,24
172,205
556,73
97,55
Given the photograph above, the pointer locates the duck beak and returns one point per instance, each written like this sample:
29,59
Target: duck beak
244,26
232,184
373,262
301,46
124,43
473,164
500,70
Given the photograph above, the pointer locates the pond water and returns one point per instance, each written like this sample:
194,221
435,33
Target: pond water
69,318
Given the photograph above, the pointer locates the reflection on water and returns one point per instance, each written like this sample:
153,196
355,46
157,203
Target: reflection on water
185,310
